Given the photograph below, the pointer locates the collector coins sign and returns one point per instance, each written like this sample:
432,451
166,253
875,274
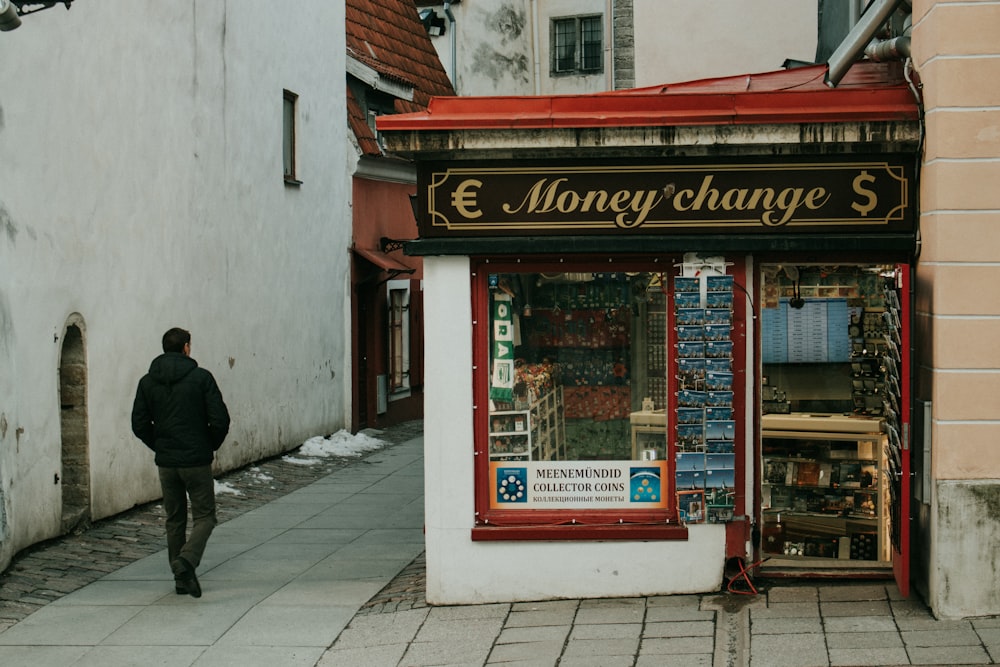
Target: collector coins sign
738,198
578,485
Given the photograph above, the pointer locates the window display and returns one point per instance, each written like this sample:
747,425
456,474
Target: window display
573,356
613,390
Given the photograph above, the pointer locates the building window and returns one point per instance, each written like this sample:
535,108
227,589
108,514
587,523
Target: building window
399,336
289,136
577,45
373,115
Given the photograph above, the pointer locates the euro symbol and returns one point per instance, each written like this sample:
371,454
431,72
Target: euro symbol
864,209
465,201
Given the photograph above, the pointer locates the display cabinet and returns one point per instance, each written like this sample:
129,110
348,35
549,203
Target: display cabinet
537,433
823,492
649,434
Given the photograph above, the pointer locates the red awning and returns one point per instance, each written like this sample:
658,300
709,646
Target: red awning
383,261
869,92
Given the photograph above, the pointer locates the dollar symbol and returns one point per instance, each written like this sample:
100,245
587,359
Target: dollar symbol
859,180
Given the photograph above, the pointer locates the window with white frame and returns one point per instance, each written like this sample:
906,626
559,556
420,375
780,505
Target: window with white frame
577,45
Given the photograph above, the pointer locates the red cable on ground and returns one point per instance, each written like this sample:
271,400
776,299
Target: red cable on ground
744,573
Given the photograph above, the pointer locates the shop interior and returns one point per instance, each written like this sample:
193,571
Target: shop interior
830,393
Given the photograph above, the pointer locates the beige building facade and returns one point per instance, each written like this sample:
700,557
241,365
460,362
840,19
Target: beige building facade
957,313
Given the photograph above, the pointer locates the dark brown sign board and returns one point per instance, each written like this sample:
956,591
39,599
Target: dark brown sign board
835,196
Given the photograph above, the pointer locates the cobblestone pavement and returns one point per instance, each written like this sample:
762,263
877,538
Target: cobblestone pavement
47,571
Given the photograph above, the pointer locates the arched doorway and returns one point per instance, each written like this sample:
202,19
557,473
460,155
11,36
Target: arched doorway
73,426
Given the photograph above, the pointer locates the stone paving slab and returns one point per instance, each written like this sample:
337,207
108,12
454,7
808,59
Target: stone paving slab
49,570
798,624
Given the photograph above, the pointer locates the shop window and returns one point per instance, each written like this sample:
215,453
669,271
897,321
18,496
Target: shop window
577,45
610,398
399,335
288,136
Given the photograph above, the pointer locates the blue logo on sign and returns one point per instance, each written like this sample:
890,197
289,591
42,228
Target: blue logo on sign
512,485
644,486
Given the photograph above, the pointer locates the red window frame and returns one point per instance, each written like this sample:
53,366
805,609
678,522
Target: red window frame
505,524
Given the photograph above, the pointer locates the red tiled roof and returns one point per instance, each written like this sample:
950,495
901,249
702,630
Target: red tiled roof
869,92
359,126
387,36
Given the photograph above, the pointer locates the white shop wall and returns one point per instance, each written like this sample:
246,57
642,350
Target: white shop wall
460,571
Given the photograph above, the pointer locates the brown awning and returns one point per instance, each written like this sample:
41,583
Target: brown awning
383,261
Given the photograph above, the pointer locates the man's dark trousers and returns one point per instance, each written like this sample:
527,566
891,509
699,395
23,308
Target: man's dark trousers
178,484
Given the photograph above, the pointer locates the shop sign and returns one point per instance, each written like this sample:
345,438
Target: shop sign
578,485
739,198
502,382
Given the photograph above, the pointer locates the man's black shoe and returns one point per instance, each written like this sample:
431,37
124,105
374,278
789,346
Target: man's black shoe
179,587
184,573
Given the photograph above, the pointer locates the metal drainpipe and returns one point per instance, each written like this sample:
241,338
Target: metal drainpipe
854,12
609,79
451,30
537,64
897,48
857,39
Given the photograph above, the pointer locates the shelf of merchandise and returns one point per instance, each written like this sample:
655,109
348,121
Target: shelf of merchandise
811,513
535,434
649,433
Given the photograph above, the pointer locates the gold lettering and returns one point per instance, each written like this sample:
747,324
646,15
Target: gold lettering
778,208
596,199
707,192
864,209
633,208
788,201
813,201
643,203
765,194
537,194
568,201
734,199
464,201
546,197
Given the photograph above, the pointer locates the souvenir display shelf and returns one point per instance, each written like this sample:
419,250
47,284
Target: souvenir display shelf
703,423
537,433
823,490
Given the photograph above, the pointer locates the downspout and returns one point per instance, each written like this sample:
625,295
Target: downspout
857,39
897,48
451,31
535,47
609,12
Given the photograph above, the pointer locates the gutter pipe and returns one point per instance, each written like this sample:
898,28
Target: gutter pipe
860,35
451,31
897,48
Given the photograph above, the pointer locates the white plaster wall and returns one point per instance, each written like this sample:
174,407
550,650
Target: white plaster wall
681,40
499,51
503,47
141,186
460,571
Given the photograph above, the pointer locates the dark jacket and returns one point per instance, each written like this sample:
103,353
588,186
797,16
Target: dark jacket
179,412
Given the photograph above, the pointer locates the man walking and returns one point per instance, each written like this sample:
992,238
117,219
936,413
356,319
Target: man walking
179,413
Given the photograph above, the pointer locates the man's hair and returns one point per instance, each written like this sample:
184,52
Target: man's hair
175,339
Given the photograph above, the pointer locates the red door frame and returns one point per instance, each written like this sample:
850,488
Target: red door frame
901,556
